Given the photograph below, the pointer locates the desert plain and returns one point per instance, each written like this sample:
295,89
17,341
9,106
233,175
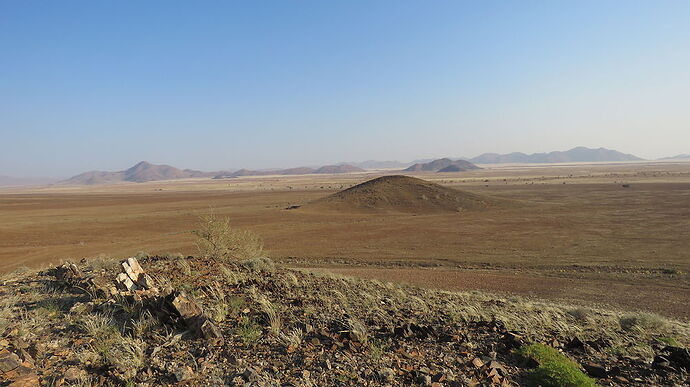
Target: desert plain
610,234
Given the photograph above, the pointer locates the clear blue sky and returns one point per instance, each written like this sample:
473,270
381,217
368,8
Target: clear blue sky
222,84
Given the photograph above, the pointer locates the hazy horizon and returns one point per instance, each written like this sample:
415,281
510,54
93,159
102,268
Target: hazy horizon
100,86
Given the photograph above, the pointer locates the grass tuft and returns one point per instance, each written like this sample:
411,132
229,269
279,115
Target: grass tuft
642,321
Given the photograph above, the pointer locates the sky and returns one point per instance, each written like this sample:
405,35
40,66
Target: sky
210,85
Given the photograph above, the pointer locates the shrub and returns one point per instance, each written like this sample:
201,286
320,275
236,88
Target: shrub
555,369
216,239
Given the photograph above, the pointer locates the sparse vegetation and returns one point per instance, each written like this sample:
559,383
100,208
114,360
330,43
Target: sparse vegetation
109,347
385,329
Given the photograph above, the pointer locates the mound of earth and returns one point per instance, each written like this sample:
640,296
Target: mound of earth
402,194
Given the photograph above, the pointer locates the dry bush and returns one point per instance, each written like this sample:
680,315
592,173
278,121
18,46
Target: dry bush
216,239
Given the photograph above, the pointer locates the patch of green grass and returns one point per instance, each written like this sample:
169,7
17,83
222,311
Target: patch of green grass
555,369
669,341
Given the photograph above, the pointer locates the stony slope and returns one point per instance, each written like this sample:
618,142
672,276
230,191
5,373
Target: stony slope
269,326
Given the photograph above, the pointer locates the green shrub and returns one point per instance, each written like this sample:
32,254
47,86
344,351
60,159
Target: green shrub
555,369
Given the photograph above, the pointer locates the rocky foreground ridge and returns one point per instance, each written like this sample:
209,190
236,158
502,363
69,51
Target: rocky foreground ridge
177,320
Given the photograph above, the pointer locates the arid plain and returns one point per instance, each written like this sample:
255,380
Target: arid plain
570,232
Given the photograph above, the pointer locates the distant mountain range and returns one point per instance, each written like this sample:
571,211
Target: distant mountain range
141,172
373,164
579,154
9,181
327,169
442,165
145,171
677,157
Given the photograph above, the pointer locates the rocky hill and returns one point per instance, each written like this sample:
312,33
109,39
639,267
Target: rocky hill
579,154
174,320
438,165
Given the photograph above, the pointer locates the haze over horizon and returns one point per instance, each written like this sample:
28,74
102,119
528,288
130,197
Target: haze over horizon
212,86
